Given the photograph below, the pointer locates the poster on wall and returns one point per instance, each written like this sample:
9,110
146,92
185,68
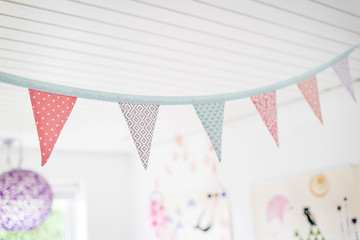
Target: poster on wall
322,206
194,216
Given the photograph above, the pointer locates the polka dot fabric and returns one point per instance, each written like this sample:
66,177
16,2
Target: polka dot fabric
310,91
51,112
266,106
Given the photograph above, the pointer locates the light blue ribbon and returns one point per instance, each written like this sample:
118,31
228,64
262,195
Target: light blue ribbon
163,100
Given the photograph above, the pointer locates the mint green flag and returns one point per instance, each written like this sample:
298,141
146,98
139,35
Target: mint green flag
212,117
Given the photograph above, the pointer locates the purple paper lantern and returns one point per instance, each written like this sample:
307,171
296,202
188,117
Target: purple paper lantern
25,200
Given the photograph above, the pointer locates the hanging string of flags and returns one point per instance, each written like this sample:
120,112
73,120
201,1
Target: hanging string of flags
52,105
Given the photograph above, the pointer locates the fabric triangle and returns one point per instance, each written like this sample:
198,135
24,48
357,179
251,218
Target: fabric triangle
266,106
342,70
310,91
141,121
212,117
51,111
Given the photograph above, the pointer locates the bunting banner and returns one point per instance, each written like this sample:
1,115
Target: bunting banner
141,121
266,106
342,70
53,103
51,111
212,117
310,91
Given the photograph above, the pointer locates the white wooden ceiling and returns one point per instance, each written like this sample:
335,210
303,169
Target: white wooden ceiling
161,47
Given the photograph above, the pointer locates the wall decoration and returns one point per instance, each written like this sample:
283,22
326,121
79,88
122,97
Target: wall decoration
157,215
197,216
140,111
314,230
194,160
180,151
320,206
356,232
341,222
277,207
347,219
319,185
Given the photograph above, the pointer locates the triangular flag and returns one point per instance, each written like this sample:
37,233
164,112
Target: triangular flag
211,117
141,121
342,70
51,112
310,91
266,106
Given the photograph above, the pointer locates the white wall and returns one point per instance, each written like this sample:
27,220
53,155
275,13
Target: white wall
250,155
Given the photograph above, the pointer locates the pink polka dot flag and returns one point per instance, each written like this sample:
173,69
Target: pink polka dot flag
266,106
51,112
310,91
